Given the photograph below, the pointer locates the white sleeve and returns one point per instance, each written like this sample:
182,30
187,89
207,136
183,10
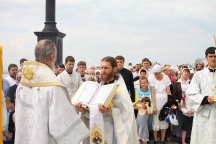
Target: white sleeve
193,94
64,122
151,82
60,77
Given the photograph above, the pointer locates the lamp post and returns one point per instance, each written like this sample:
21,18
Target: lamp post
50,30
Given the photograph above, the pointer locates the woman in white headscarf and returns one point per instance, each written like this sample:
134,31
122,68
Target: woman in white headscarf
160,87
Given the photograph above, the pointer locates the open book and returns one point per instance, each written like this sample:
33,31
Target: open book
91,93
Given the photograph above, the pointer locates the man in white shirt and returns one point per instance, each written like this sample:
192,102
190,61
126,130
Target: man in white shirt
70,78
12,70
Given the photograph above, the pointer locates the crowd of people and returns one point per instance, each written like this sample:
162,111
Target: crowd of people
153,101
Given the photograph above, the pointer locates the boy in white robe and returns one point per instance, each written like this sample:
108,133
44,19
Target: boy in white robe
70,78
201,97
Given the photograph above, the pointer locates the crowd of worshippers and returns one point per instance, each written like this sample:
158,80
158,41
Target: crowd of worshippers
143,80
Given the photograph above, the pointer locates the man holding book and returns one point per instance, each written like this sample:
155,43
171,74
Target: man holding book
118,118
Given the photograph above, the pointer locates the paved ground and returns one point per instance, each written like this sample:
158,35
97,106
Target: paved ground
170,140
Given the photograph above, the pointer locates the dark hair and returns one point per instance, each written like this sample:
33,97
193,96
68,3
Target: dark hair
11,65
70,59
210,50
145,59
186,69
22,60
119,57
146,99
80,63
184,66
61,66
142,70
111,60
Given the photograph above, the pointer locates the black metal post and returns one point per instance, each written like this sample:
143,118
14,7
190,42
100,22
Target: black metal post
50,30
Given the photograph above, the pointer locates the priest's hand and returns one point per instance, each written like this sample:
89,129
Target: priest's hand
103,109
79,107
211,100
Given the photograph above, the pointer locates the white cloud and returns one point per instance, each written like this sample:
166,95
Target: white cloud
165,31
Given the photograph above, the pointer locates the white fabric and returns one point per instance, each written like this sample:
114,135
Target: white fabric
157,124
71,82
4,114
160,89
86,77
123,117
156,68
149,72
184,86
186,108
86,122
11,80
204,122
137,85
175,68
44,115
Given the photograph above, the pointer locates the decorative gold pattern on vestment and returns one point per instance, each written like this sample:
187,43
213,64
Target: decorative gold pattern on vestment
36,74
42,84
28,73
96,132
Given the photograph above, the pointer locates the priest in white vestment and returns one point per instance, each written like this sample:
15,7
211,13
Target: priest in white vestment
70,78
119,120
201,95
44,115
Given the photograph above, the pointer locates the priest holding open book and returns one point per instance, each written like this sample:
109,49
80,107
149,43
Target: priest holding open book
109,107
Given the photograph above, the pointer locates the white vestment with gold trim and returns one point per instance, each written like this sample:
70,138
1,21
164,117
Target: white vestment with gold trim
44,115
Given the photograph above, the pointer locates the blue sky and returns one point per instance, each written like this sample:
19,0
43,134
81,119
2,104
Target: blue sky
166,31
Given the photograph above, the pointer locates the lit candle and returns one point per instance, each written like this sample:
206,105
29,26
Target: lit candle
1,116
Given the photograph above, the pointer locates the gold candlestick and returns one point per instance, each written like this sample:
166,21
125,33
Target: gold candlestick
1,114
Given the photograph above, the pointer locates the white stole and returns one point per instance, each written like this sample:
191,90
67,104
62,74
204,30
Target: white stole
96,125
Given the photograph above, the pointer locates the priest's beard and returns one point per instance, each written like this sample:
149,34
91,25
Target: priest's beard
107,77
